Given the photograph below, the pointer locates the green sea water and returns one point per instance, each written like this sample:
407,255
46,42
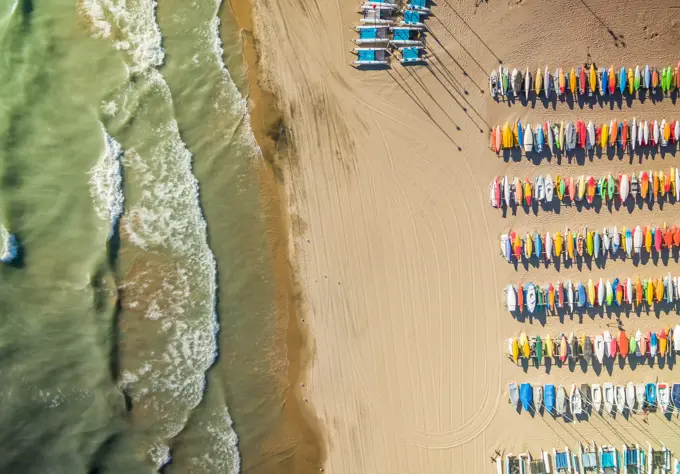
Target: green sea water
133,322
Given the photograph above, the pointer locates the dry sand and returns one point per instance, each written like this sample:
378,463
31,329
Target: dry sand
396,246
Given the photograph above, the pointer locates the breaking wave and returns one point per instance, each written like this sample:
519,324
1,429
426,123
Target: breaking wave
174,281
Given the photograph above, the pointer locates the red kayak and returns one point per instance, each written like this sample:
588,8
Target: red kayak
657,240
582,79
520,297
624,134
673,138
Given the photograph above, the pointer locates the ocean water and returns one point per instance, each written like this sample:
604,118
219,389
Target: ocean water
135,319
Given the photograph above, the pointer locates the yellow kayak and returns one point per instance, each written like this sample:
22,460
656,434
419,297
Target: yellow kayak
623,240
662,343
517,242
648,239
558,244
528,246
570,245
659,291
539,81
631,81
526,349
572,81
507,136
527,189
589,243
593,78
662,178
667,131
604,136
515,350
562,135
650,291
549,346
558,187
591,292
515,136
581,187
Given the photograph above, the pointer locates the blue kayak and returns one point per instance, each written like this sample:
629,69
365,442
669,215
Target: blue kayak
605,81
622,80
540,139
526,396
549,397
615,285
520,134
648,77
538,247
650,394
675,396
597,244
508,249
581,295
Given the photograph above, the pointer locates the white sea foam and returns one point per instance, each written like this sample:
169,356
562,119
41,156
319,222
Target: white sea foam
164,217
231,97
135,23
106,182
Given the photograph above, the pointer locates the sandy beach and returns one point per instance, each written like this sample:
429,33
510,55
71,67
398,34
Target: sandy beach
395,246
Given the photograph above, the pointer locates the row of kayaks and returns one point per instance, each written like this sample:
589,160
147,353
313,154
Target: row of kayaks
613,398
651,185
570,347
583,80
570,135
566,296
589,243
590,459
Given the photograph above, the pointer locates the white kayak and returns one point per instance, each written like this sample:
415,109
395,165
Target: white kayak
633,134
640,395
590,140
620,398
570,295
597,397
528,139
637,239
607,343
549,188
624,189
506,191
576,400
663,396
599,348
608,389
606,240
527,84
530,297
548,246
539,188
510,298
676,338
600,293
630,397
629,291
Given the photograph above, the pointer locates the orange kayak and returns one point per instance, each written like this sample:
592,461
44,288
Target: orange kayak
613,132
644,184
520,297
655,79
667,236
676,237
638,291
623,344
655,185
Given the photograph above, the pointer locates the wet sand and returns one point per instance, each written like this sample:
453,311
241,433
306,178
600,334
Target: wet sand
292,441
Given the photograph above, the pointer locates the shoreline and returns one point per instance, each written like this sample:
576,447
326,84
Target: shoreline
299,435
